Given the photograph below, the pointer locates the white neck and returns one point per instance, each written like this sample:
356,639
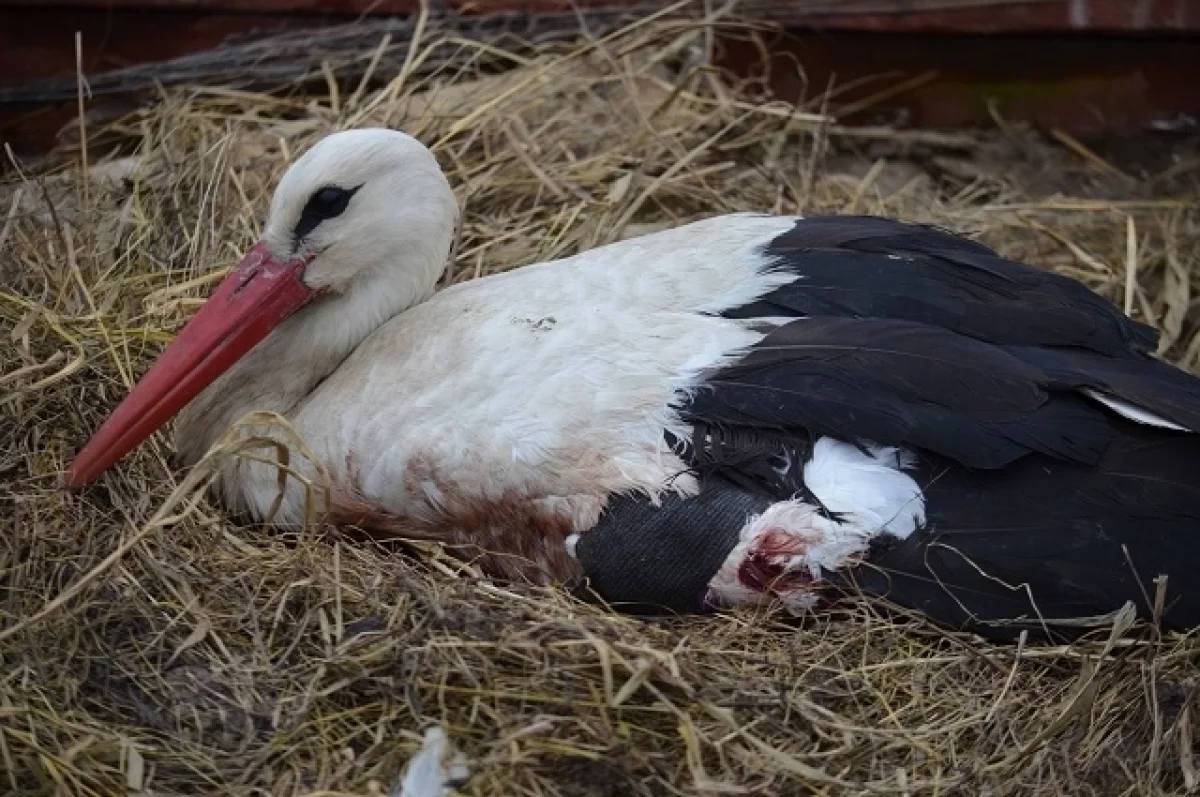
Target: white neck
282,370
377,257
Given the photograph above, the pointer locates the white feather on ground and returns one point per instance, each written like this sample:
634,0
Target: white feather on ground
436,769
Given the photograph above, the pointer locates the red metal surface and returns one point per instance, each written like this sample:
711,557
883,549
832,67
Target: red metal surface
1127,16
37,37
36,43
1085,85
1066,75
990,16
41,42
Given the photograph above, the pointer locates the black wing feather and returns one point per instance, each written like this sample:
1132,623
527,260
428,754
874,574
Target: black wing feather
869,267
1144,382
900,383
912,336
909,334
1052,539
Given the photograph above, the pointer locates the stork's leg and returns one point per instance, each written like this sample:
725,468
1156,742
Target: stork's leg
725,547
782,535
784,553
643,557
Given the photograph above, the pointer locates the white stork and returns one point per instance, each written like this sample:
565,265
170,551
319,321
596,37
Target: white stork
743,407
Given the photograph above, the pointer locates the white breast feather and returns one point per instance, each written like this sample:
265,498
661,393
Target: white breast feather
869,485
554,380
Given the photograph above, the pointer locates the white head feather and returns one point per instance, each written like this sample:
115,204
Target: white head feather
381,256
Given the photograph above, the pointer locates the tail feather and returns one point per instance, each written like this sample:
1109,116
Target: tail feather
1151,386
1046,541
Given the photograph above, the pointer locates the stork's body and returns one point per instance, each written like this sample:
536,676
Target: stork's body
743,406
548,382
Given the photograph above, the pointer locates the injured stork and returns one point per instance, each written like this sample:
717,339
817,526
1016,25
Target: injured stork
745,407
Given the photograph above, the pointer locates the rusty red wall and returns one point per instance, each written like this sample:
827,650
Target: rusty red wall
1085,65
892,15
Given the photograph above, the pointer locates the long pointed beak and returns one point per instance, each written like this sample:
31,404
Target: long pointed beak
251,301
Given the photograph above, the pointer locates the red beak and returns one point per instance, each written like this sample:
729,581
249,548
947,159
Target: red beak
251,301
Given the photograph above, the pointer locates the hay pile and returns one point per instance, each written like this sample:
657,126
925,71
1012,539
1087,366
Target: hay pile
149,643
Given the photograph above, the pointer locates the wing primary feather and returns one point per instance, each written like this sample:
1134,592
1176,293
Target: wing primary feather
865,266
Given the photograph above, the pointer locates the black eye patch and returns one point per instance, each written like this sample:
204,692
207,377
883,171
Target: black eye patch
326,203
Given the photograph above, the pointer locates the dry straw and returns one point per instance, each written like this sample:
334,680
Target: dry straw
150,643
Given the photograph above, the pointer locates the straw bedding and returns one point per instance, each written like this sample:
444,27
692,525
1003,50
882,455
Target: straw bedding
149,642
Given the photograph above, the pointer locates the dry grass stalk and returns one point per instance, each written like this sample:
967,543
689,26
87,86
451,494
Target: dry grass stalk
151,643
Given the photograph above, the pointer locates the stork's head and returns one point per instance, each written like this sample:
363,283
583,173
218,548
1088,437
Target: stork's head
355,206
365,217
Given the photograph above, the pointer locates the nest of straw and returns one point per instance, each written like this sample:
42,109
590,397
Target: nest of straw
149,643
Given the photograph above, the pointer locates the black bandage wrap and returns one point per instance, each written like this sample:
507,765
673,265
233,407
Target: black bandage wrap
660,559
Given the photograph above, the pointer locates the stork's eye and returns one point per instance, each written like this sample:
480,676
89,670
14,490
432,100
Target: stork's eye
327,203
